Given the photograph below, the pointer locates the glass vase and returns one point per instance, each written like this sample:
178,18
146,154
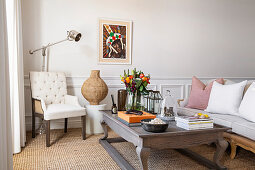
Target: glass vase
134,101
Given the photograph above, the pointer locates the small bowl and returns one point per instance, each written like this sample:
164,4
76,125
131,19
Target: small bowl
156,128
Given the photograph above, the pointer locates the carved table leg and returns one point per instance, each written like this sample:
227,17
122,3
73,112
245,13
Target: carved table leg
221,148
143,155
104,125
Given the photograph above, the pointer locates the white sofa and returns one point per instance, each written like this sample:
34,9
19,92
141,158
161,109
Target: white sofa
242,131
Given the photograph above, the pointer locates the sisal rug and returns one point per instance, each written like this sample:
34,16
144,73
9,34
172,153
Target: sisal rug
68,151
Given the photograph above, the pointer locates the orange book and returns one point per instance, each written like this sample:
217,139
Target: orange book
132,118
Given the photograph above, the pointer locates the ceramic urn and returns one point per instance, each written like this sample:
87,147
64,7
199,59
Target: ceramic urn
94,89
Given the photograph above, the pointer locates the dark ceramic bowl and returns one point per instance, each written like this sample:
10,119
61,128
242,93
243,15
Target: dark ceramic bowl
156,128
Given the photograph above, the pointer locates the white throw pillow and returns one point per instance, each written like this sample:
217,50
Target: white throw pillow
226,99
247,109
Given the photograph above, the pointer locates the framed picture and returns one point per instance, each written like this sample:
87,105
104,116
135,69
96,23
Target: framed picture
115,41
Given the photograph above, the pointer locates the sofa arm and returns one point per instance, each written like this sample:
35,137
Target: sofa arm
39,105
182,102
72,100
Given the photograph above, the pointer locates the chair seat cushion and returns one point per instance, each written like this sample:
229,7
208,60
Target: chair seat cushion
59,111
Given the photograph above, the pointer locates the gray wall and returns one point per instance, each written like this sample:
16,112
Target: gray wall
171,38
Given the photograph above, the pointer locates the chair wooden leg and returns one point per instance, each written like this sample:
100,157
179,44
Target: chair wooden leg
83,125
233,150
33,125
48,133
66,121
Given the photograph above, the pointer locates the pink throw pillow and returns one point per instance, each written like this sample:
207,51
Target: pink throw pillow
200,93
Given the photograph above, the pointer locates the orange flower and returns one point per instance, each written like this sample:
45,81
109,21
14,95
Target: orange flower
144,78
127,80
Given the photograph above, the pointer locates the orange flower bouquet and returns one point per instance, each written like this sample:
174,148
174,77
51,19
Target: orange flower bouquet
136,83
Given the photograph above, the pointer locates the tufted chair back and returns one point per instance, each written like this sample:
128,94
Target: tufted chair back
49,86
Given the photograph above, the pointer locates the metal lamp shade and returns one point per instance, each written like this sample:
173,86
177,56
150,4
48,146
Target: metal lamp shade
71,35
74,35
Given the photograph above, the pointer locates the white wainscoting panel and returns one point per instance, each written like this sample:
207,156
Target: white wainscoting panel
112,90
179,87
187,89
176,90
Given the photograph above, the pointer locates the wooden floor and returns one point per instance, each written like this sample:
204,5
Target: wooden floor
68,151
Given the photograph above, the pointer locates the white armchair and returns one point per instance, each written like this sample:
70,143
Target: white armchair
50,101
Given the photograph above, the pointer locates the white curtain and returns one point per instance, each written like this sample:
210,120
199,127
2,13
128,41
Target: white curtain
16,74
5,113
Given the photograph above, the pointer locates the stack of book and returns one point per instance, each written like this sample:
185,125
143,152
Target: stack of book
132,119
192,123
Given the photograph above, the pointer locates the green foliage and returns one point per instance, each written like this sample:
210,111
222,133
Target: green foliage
138,83
135,81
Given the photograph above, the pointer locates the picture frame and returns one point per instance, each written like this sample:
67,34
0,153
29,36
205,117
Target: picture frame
115,41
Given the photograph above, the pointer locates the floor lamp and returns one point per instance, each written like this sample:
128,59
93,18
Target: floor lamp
71,36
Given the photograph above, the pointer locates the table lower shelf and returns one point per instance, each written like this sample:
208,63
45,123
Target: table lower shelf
125,165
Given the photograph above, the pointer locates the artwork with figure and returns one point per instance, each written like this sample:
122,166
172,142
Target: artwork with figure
114,37
114,44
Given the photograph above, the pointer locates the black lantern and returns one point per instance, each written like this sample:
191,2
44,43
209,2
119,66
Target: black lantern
155,100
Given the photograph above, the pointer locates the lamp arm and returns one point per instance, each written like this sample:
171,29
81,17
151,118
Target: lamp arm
44,47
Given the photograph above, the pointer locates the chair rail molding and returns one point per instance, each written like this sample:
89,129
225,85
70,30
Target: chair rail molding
179,86
158,78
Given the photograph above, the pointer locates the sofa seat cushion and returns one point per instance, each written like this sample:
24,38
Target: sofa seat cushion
244,128
220,119
59,111
225,120
183,111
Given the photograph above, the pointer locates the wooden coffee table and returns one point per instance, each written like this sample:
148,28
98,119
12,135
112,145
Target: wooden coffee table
174,138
